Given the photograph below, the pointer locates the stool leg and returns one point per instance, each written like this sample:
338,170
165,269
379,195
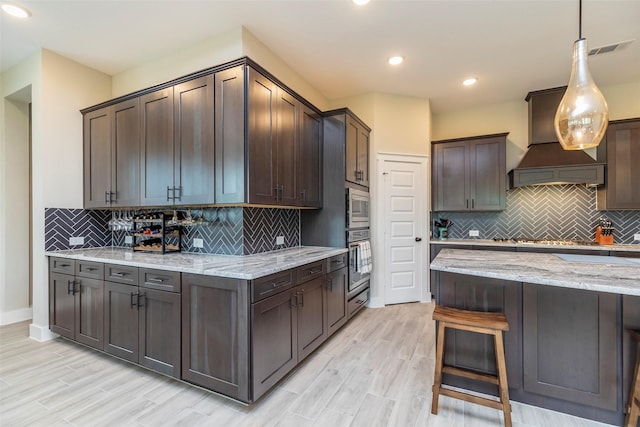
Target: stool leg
437,376
502,378
634,409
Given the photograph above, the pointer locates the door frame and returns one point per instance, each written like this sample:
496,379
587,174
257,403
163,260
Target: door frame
381,267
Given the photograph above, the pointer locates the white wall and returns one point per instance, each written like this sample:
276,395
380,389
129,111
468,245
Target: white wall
59,89
20,85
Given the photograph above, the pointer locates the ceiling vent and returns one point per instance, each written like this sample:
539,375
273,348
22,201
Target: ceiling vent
609,48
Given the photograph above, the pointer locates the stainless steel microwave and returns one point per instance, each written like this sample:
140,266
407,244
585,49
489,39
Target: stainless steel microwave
357,208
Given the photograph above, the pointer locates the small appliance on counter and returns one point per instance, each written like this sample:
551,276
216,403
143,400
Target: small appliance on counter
604,232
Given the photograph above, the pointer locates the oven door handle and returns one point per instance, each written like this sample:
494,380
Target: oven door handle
354,258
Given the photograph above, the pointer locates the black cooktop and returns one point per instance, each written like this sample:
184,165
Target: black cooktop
558,242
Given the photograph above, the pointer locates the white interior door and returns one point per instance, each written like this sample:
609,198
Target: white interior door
405,239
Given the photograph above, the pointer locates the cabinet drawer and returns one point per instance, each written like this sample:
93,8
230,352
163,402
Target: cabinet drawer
358,302
62,265
90,269
310,271
270,285
121,274
336,262
162,280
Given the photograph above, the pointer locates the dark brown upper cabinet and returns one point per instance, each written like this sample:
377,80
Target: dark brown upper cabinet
231,134
357,148
542,110
621,151
469,174
112,156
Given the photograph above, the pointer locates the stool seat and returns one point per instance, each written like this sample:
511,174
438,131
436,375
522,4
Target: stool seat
633,409
479,322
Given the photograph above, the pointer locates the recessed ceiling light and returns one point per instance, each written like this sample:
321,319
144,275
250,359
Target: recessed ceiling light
471,81
360,2
395,60
14,10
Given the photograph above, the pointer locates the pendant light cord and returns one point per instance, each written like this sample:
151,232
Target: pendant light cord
580,20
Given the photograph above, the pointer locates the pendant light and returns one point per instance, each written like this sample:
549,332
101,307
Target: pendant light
582,116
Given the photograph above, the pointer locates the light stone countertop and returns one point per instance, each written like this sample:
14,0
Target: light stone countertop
559,248
247,267
588,272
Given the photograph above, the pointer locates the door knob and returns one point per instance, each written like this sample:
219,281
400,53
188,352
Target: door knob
418,239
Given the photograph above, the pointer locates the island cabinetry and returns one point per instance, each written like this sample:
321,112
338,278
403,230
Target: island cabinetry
473,351
469,174
142,324
112,156
630,347
215,334
76,300
569,341
621,151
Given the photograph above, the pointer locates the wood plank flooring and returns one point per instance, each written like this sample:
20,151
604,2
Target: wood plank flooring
376,371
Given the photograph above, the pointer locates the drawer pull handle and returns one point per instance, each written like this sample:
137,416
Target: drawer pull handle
91,268
65,265
155,279
279,283
315,271
118,274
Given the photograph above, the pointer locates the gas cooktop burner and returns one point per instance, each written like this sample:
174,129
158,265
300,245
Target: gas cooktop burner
559,242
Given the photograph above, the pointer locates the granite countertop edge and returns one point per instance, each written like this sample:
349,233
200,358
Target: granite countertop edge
541,269
244,267
559,248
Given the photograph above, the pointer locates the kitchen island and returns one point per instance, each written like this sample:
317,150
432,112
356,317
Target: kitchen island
567,348
235,325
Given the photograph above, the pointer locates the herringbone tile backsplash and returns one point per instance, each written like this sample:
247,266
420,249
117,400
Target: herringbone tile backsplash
225,230
544,212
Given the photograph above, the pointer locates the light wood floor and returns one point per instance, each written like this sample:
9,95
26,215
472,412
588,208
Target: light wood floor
376,371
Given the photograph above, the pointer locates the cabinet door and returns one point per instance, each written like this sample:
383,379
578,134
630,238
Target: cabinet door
450,177
630,347
61,304
274,334
351,165
475,351
310,159
157,150
569,345
363,156
311,302
89,320
97,158
487,180
159,331
215,334
286,146
125,172
623,158
261,128
336,284
121,320
194,141
229,135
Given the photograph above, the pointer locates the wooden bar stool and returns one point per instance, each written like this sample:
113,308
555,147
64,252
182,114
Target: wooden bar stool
633,410
483,323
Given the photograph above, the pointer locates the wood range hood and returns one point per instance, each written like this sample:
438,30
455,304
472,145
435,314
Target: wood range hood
546,162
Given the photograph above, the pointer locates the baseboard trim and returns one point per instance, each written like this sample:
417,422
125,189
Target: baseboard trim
15,316
376,302
41,333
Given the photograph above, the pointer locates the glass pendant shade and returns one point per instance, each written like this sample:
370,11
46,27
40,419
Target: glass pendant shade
582,116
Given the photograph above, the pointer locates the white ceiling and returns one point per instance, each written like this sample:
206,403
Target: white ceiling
512,46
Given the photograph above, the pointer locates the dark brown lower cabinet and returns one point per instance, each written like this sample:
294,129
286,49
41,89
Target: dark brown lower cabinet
143,326
286,328
337,286
76,308
569,342
630,348
215,334
474,351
